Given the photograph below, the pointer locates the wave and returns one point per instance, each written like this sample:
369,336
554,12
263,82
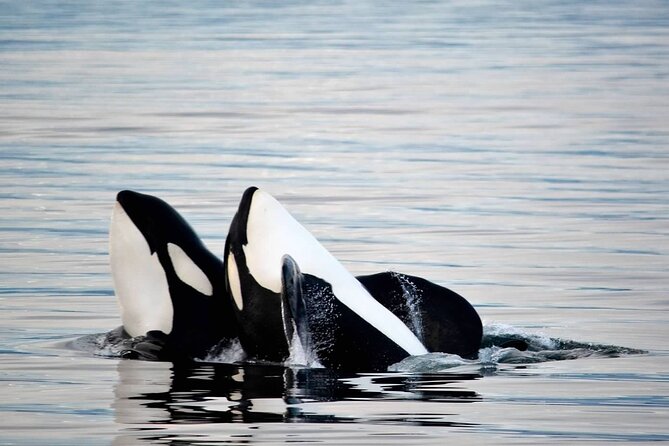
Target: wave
505,344
111,344
501,344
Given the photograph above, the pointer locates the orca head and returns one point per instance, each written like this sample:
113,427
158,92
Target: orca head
156,259
261,234
234,250
256,305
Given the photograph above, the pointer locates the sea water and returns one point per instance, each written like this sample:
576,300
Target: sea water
515,152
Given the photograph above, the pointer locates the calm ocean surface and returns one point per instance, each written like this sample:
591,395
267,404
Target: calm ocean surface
516,152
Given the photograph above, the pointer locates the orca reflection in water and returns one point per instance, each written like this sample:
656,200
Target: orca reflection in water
147,393
261,234
170,288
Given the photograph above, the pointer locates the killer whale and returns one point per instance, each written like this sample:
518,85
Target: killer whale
312,316
262,236
173,304
169,286
329,332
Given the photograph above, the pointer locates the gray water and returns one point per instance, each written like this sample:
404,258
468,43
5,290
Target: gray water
515,152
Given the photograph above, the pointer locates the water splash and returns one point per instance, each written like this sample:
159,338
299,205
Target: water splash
412,297
501,344
114,344
228,352
299,356
508,335
109,345
504,344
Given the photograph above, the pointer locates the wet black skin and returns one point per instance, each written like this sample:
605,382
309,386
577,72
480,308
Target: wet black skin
260,324
344,341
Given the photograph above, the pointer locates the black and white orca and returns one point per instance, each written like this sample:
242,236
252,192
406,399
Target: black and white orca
170,288
264,246
325,329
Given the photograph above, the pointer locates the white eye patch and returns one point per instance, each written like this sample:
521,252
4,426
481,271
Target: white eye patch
233,279
187,271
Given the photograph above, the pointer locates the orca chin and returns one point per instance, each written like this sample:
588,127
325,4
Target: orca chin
169,286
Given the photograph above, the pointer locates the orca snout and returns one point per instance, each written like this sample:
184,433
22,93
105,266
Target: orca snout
128,197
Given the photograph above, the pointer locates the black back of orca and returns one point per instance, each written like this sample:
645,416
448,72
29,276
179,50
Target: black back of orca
339,337
200,321
442,319
261,328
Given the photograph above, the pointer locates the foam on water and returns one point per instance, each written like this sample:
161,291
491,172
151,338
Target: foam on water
505,344
107,345
299,357
501,344
228,352
112,345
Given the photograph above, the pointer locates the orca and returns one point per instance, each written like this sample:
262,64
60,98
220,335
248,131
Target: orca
328,332
313,317
169,286
264,246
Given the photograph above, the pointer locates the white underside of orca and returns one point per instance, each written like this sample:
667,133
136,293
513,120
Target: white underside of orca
139,279
187,271
272,233
235,285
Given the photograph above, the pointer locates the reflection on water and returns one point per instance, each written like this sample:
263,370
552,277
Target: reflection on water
225,393
161,401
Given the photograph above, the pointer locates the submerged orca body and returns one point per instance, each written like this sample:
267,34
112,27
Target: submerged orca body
264,246
170,288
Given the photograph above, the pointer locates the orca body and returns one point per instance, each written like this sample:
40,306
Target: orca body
327,329
264,246
170,288
257,308
443,320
